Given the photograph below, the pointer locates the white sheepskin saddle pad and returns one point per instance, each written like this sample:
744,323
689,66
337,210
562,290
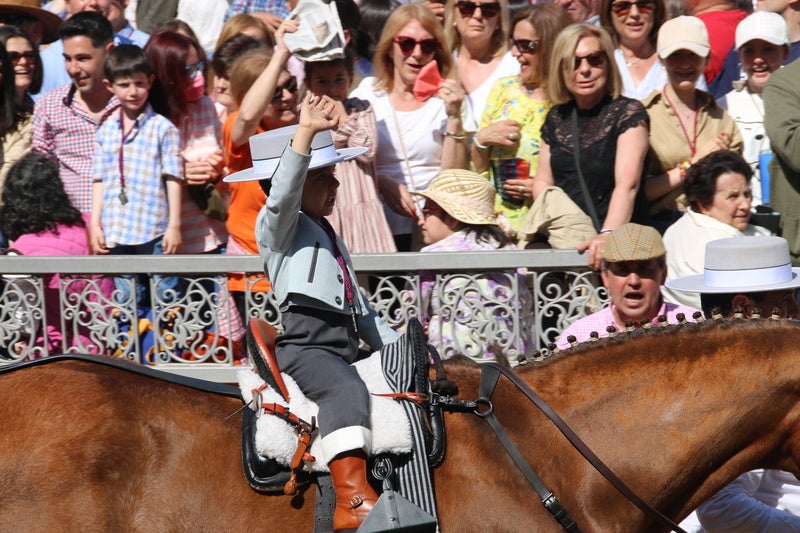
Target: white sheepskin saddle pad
275,438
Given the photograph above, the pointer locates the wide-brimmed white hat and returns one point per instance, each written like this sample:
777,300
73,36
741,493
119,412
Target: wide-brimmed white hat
742,264
464,195
266,150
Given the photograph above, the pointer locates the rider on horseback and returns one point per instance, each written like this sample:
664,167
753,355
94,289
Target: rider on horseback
323,311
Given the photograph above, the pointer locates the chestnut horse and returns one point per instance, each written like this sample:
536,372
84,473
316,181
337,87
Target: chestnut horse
676,413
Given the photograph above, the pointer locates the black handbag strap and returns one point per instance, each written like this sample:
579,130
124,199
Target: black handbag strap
576,151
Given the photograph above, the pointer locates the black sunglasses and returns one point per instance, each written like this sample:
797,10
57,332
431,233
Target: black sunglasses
488,10
407,44
16,57
525,45
596,59
622,9
290,85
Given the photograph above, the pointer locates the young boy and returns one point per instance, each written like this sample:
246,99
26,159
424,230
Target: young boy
137,170
323,312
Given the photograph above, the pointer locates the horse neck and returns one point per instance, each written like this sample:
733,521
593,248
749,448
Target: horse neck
677,415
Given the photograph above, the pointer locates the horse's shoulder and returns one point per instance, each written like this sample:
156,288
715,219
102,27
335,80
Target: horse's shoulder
127,366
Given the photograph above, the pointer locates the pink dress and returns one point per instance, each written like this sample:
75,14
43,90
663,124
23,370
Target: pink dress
358,215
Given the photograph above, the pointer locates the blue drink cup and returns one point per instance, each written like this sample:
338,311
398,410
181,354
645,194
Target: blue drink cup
763,169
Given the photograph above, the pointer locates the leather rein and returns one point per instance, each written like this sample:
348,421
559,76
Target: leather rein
483,408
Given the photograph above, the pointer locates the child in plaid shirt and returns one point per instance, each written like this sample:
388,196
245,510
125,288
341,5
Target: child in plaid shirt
137,171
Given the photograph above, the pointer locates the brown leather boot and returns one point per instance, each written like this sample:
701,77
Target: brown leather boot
355,497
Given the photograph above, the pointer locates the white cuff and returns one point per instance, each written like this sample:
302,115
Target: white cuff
345,440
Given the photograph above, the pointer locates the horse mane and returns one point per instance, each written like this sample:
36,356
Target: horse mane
659,339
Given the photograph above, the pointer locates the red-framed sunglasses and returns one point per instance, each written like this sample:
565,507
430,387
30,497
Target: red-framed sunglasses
488,9
407,45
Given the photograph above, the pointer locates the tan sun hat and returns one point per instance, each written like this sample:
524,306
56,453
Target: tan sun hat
33,8
464,195
633,242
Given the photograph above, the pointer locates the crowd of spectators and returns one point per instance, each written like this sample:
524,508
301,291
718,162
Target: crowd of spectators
604,102
478,118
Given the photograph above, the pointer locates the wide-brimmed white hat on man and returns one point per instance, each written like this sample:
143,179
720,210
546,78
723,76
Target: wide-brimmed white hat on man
742,264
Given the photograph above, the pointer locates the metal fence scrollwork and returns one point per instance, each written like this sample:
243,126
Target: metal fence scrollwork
514,301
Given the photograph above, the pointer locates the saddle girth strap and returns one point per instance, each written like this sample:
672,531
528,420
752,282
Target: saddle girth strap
490,373
489,378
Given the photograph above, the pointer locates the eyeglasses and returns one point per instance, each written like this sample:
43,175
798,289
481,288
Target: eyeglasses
193,69
648,269
290,85
488,10
525,45
622,9
596,60
16,57
407,45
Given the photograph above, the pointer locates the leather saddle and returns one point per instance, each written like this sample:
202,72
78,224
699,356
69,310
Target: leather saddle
267,475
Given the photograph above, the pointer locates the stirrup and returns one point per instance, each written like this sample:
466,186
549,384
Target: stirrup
261,347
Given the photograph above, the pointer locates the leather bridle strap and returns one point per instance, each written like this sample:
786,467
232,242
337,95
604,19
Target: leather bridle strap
489,380
490,374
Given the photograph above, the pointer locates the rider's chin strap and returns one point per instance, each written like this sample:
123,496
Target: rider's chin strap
490,374
489,377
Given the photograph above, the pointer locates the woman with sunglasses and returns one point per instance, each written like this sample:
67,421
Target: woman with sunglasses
265,95
27,63
16,105
178,94
686,123
594,140
477,33
634,27
418,135
516,107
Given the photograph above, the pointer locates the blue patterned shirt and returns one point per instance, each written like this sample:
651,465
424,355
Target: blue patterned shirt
151,150
276,7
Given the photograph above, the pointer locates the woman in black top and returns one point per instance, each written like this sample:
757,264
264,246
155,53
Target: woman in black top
612,132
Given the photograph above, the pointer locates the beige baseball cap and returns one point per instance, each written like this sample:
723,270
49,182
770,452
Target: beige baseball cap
683,33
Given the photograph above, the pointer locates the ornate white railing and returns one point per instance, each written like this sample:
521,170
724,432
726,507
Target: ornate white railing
182,332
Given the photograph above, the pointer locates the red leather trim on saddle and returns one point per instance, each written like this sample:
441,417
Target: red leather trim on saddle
264,335
415,397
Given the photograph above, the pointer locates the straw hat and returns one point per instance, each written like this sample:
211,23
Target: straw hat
633,242
266,150
33,8
464,195
742,264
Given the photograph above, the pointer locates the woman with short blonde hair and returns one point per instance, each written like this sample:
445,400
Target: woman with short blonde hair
562,61
594,141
